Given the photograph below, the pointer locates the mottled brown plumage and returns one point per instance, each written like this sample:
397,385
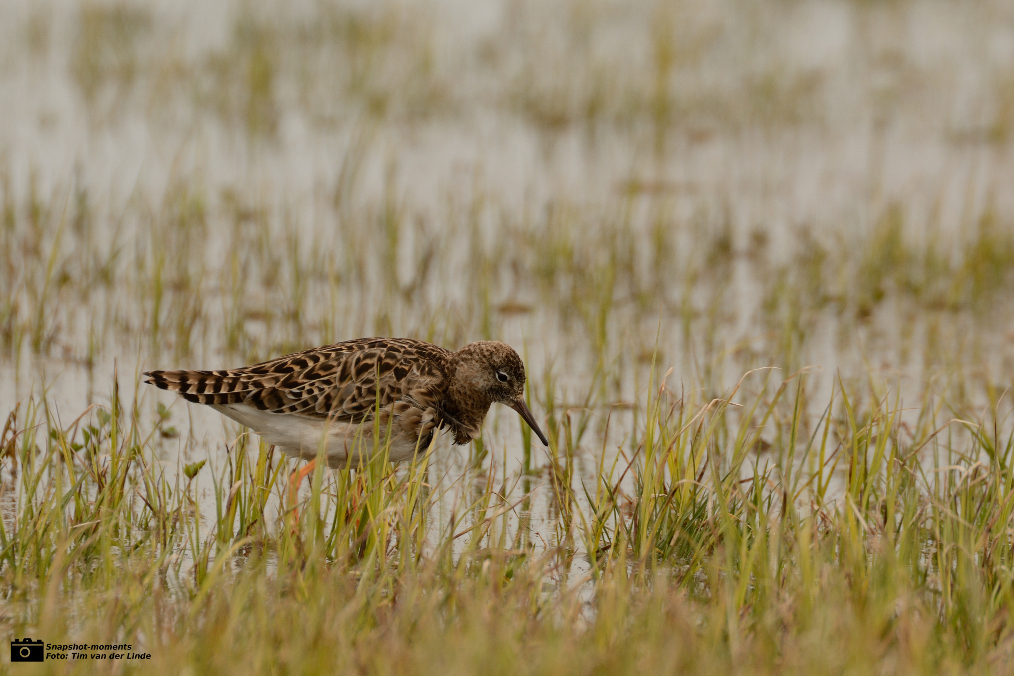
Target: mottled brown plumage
334,395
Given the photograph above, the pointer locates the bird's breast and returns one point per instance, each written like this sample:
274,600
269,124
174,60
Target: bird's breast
302,436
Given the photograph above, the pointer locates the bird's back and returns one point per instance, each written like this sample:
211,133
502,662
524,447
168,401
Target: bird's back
396,381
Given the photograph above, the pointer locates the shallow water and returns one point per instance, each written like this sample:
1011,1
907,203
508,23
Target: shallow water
364,186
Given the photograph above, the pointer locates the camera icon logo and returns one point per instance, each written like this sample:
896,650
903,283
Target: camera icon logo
27,650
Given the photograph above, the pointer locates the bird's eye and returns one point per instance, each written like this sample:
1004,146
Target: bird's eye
501,376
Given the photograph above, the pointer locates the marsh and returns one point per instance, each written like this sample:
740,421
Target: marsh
755,257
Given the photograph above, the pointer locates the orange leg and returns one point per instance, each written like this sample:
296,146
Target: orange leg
294,480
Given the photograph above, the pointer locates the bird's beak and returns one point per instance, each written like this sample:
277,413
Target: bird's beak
519,406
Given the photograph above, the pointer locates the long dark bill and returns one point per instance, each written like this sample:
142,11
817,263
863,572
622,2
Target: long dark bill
519,406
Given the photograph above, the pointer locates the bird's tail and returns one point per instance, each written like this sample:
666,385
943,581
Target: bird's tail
200,387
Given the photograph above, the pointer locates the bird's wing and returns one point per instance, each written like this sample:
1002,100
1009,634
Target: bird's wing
345,382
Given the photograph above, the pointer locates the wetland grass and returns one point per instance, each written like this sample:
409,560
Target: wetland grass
705,559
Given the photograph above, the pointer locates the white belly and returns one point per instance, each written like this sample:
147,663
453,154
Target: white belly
301,436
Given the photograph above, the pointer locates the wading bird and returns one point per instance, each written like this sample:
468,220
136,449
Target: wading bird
338,395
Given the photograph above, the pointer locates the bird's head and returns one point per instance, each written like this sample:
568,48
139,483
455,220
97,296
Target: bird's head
492,372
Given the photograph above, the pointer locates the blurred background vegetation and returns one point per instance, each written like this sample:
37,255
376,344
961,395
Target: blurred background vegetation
226,182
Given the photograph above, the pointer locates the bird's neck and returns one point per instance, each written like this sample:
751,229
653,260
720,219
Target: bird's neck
466,407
